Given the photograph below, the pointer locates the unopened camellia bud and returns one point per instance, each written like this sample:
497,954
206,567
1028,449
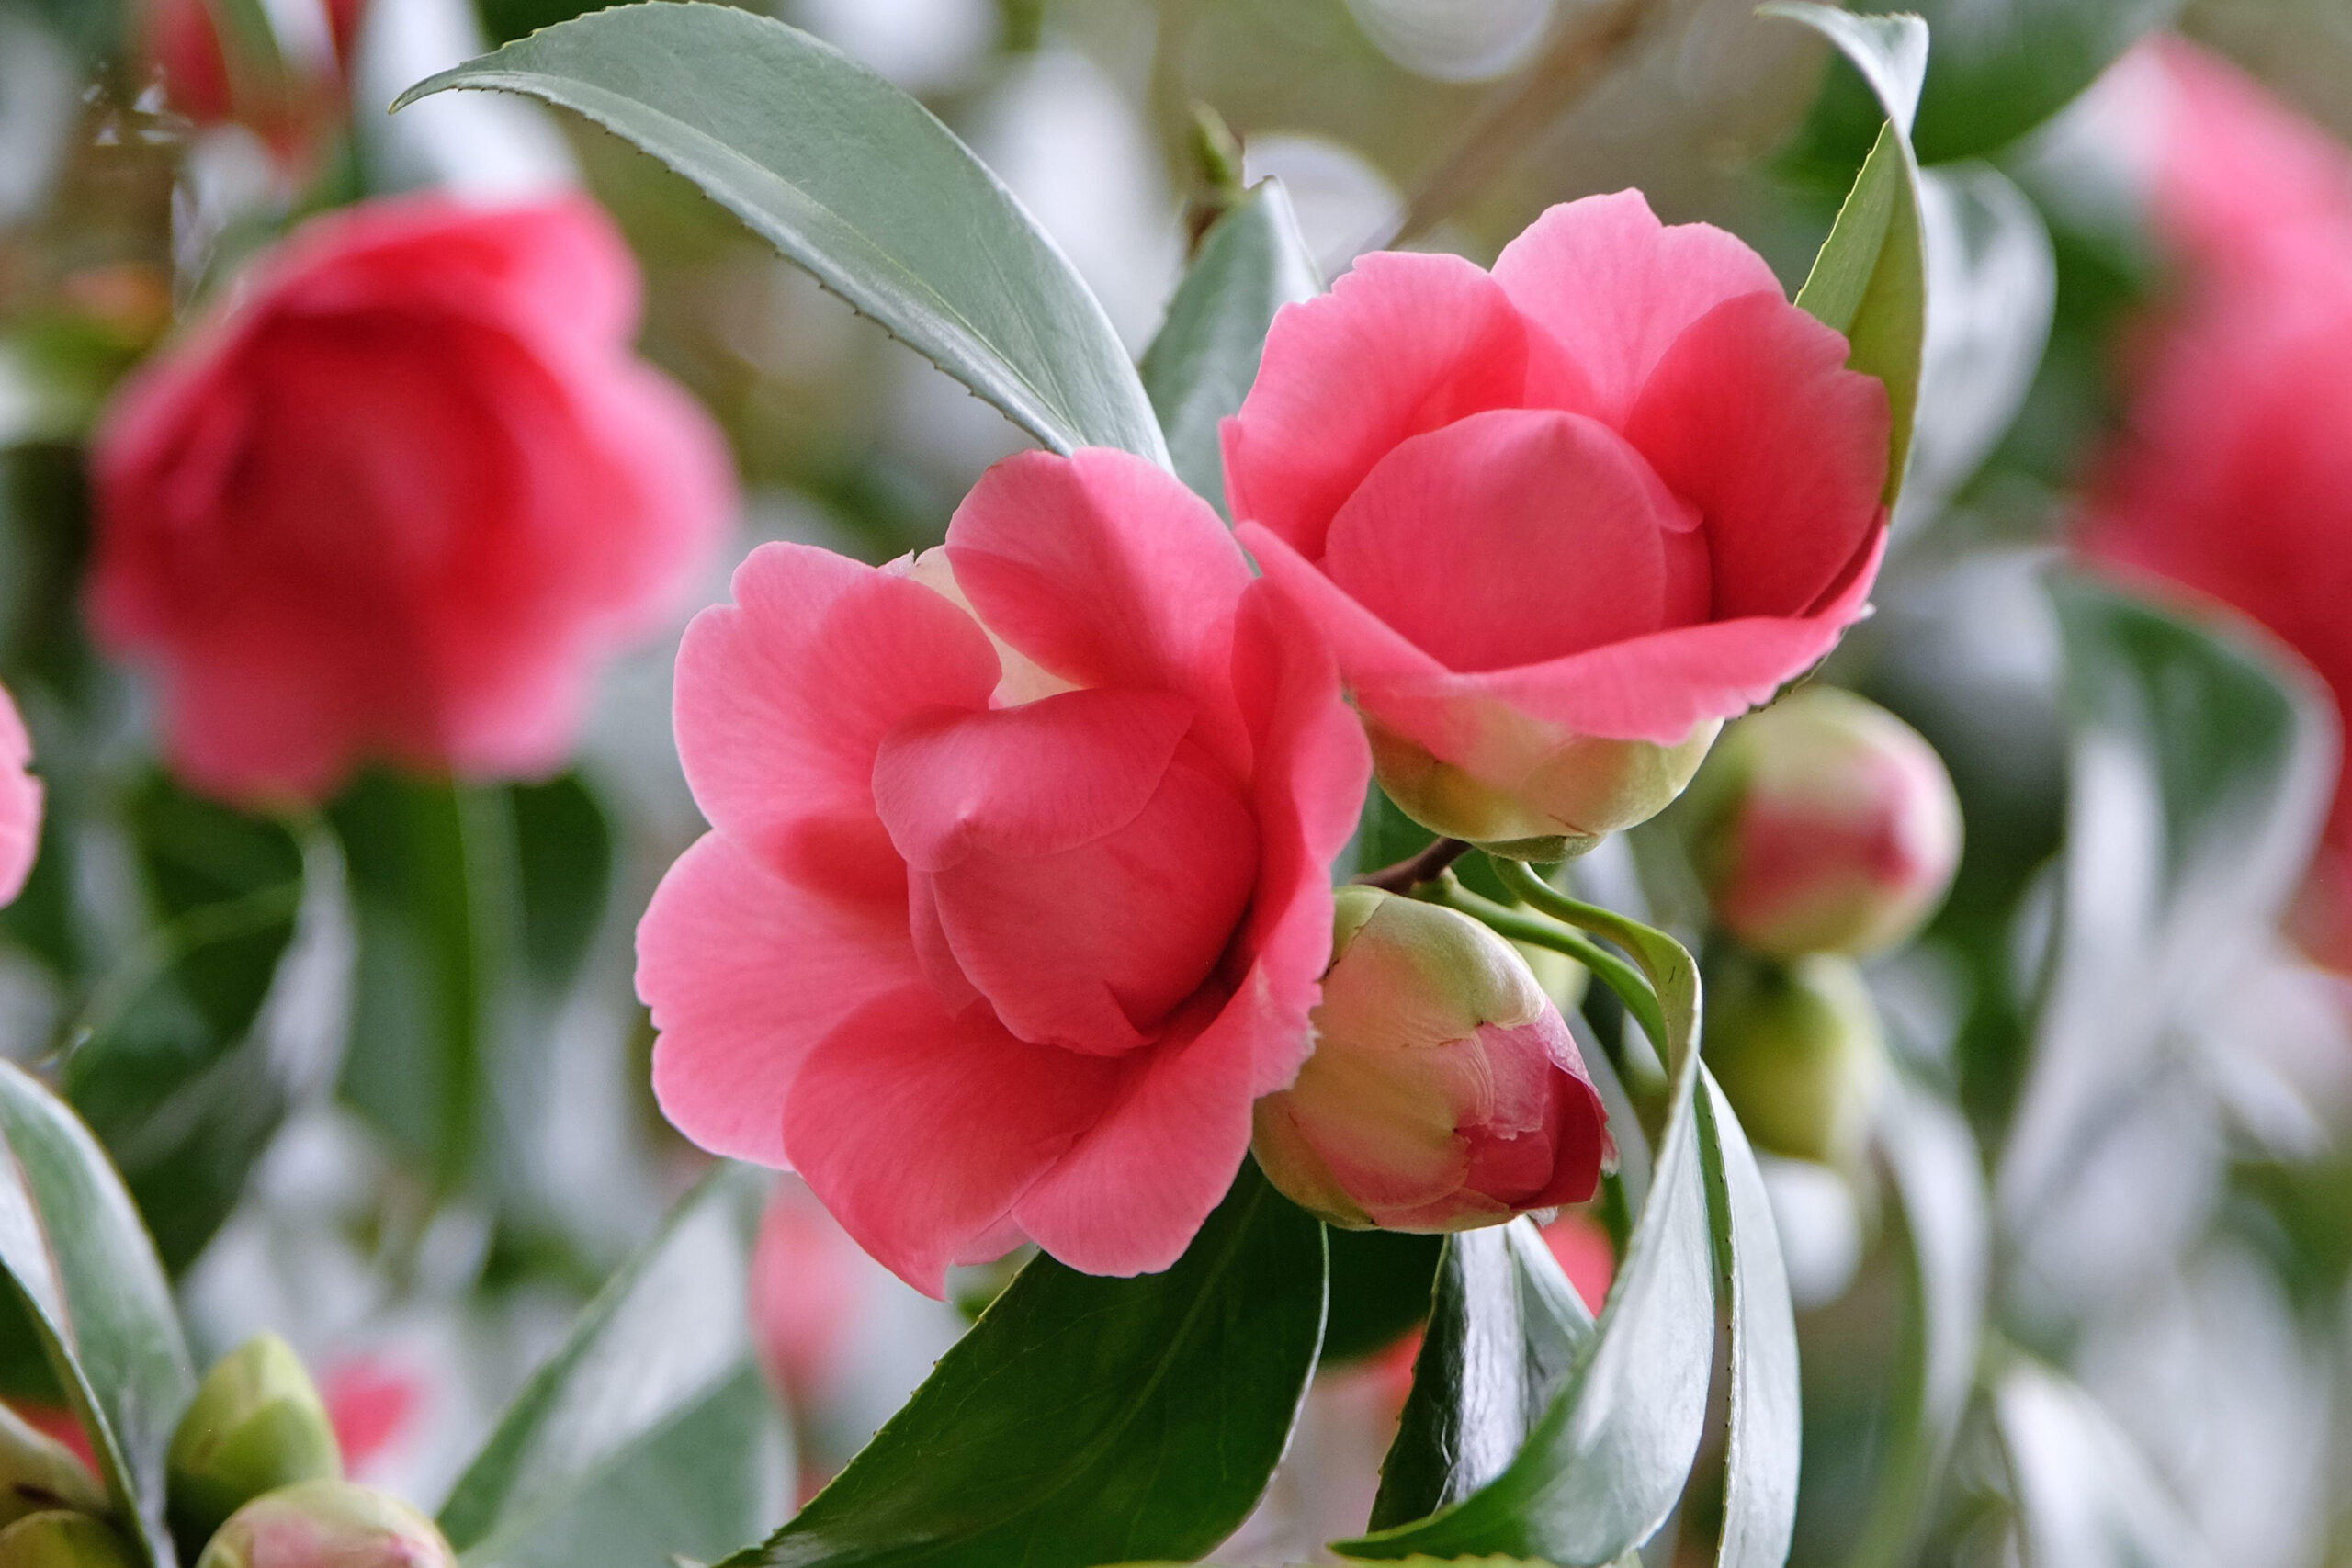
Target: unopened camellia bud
1445,1092
60,1538
1824,824
1798,1050
257,1424
327,1524
40,1474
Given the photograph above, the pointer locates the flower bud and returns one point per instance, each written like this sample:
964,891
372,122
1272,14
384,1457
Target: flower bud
58,1538
40,1474
1569,791
1444,1091
257,1424
327,1524
1824,824
1797,1049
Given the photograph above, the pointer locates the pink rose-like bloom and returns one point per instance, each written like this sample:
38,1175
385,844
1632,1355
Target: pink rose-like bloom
1445,1092
20,802
400,498
1824,824
1018,885
1561,519
2233,477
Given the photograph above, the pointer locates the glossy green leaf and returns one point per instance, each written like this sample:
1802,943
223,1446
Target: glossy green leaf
563,875
2084,1496
1604,1464
1088,1421
431,868
1763,1442
1505,1331
2202,758
1381,1284
171,1072
2000,68
1939,1187
1253,261
857,182
71,1245
1870,280
649,1433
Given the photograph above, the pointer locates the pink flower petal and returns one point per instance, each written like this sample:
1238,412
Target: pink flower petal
20,802
1753,416
1402,343
1511,537
784,697
921,1131
1614,288
1129,1196
746,972
1033,779
1106,572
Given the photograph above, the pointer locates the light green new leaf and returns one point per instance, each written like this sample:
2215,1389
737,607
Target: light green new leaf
1087,1420
650,1434
1938,1186
1253,263
1604,1464
1871,279
857,182
72,1244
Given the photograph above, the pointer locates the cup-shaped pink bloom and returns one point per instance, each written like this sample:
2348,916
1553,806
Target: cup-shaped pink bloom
1445,1092
20,802
1824,824
1561,519
1018,885
400,498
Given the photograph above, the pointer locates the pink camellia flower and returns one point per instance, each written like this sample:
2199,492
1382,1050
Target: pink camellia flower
1561,519
1019,881
2233,477
1824,824
810,1283
1445,1092
399,497
20,802
287,106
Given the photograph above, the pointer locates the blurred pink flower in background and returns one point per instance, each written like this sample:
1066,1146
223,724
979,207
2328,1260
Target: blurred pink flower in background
2233,473
808,1286
373,1403
20,802
1561,519
1019,886
398,497
288,108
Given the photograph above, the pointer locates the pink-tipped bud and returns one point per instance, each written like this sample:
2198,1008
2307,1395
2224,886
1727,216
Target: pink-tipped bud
327,1524
1824,824
1444,1092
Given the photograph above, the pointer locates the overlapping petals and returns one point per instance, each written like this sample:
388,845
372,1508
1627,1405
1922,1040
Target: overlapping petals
1597,502
1018,886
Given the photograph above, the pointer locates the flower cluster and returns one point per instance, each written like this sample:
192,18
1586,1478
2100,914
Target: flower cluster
1017,896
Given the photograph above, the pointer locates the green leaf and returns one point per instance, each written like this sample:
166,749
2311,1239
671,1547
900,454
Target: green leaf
1088,1421
1604,1464
1938,1186
432,874
1380,1289
1197,371
858,183
649,1433
2001,67
1506,1329
71,1243
172,1073
563,866
1870,280
2202,758
2086,1497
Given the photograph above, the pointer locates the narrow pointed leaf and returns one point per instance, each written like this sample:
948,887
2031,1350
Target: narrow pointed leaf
73,1246
857,182
2086,1497
649,1433
1088,1421
1604,1466
1253,263
1870,280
